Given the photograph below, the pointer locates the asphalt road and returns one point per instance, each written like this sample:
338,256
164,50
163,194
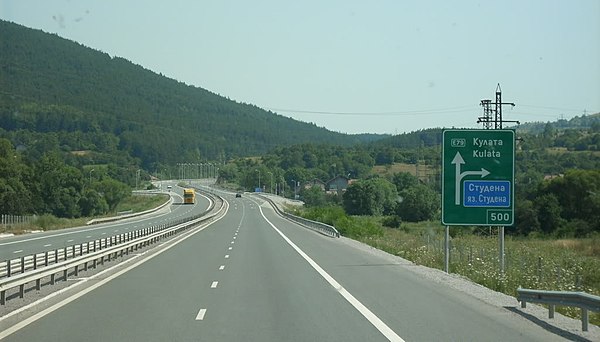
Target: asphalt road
253,276
23,245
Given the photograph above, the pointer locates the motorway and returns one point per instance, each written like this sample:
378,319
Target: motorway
254,276
18,246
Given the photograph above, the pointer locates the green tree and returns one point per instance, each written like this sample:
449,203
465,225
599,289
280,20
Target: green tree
376,196
15,196
313,197
404,180
92,203
418,203
60,186
228,173
548,209
526,218
112,191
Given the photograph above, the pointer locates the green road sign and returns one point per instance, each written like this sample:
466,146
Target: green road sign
478,177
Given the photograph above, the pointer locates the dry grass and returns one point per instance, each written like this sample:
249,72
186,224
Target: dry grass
388,170
587,247
564,265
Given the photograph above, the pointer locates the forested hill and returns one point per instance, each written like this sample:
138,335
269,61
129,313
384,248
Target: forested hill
92,101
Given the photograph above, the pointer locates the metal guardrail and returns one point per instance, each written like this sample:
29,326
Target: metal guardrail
50,263
125,215
582,300
314,225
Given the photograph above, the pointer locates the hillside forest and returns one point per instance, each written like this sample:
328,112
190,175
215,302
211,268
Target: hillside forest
79,129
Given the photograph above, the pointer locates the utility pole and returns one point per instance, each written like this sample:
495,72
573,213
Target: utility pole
492,118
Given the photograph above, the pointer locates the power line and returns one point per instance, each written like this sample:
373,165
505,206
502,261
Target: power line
394,113
552,108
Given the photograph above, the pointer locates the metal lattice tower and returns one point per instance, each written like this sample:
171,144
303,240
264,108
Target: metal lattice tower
492,118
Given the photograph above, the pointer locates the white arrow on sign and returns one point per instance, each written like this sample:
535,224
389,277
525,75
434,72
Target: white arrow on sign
458,161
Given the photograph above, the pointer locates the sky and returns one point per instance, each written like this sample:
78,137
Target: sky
353,66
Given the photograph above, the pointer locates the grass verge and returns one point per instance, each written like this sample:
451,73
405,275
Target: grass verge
536,263
134,203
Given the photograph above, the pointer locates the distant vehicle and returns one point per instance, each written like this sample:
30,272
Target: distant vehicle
238,195
169,187
189,196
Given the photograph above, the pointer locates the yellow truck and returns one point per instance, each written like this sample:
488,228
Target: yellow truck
189,196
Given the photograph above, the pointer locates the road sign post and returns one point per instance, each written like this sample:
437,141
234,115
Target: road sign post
478,177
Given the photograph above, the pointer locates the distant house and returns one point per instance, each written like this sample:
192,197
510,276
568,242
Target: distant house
337,184
550,177
315,182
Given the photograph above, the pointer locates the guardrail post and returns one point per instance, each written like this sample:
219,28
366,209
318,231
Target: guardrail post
46,258
2,297
35,261
550,311
56,256
584,319
65,274
21,290
8,270
22,264
65,252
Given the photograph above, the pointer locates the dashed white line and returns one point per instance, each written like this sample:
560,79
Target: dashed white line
70,240
48,245
222,267
214,284
18,251
230,248
89,236
200,315
226,256
232,242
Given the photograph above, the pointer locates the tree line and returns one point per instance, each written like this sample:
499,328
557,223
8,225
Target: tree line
49,185
556,188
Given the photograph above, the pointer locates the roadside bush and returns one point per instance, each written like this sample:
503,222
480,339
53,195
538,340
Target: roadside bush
393,221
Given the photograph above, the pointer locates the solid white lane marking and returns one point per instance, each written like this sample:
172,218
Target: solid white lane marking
360,307
222,267
200,315
226,256
214,284
18,251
